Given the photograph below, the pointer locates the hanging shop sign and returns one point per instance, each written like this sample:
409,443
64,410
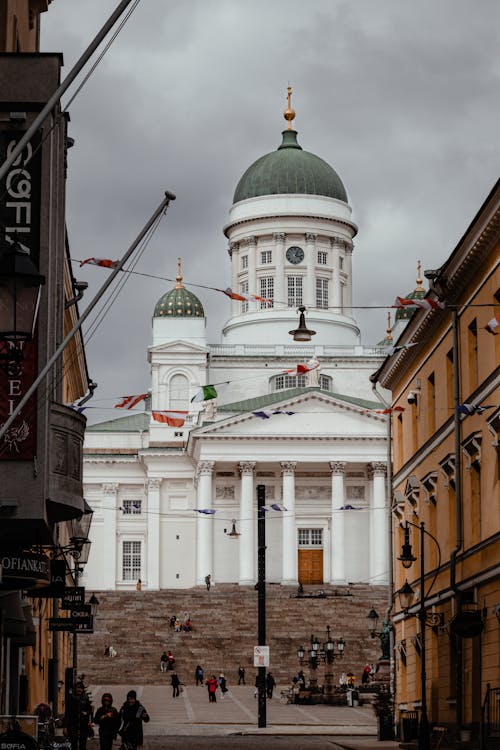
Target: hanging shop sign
57,584
24,570
468,624
72,624
73,595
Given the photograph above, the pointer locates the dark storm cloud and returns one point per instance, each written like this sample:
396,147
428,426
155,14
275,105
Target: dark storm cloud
400,97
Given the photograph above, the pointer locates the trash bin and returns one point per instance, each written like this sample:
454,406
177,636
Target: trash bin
409,726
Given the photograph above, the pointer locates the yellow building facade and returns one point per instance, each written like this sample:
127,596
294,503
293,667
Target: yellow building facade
446,468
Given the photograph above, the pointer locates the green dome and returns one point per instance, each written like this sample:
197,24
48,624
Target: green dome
405,313
179,303
290,169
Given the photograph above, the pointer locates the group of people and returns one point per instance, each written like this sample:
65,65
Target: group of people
181,626
109,651
213,684
127,722
268,685
167,661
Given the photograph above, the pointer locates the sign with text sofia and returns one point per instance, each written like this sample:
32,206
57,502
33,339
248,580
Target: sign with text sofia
27,568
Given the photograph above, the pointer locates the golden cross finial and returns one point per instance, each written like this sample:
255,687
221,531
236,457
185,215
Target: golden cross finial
388,333
289,113
179,274
419,287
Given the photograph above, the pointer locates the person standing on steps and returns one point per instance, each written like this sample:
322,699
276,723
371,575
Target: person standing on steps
132,715
208,581
212,686
138,585
163,662
175,685
241,675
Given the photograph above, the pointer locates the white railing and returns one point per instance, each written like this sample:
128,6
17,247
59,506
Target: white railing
277,350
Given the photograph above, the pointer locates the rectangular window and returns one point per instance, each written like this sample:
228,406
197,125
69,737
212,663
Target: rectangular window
341,263
431,403
244,262
244,290
449,383
303,537
316,537
281,382
131,561
322,293
322,258
132,507
267,290
473,359
266,256
310,537
294,291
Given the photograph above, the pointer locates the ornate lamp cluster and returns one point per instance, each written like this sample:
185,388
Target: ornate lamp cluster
326,652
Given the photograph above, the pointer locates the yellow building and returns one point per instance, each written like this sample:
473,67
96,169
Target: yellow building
446,468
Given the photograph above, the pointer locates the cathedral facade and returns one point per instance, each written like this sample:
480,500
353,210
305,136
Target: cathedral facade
176,500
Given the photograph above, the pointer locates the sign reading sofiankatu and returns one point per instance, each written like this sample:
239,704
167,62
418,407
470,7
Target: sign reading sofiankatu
30,568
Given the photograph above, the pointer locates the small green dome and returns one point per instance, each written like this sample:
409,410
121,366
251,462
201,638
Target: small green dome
405,313
290,169
179,303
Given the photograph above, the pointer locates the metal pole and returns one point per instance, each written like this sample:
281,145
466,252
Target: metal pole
423,735
163,205
75,642
62,88
55,663
261,589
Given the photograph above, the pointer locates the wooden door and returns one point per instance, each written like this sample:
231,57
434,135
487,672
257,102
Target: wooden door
310,566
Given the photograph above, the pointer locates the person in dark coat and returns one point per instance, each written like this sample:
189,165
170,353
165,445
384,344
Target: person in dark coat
270,684
78,718
175,685
107,719
198,674
241,675
132,714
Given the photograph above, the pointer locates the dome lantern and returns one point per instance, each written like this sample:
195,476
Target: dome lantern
179,302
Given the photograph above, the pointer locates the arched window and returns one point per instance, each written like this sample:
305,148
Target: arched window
178,393
282,382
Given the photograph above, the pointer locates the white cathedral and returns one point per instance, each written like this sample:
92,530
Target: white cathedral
322,457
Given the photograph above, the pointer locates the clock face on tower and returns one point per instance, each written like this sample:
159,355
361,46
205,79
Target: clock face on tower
295,254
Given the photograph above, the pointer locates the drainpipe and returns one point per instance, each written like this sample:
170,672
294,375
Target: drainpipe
458,508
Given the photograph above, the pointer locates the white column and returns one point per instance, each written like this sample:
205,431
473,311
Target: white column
337,545
310,290
336,244
109,543
153,550
235,268
348,286
252,272
379,520
204,523
157,399
280,290
289,560
247,525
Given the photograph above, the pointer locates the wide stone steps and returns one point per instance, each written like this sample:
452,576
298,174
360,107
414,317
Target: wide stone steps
136,624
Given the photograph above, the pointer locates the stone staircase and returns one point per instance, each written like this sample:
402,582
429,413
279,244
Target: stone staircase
136,624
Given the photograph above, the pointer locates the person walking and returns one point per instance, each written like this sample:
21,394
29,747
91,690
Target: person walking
212,686
78,718
241,675
208,581
198,675
222,685
270,684
107,719
132,715
175,685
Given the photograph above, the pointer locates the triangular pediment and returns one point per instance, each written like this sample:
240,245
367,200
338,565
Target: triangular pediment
178,347
314,414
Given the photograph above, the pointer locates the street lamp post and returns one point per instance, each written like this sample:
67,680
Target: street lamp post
406,595
327,655
261,593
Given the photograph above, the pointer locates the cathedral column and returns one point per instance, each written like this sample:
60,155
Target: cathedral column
157,399
153,549
247,525
348,286
252,273
235,268
337,540
109,548
280,291
289,553
336,244
379,521
204,523
310,290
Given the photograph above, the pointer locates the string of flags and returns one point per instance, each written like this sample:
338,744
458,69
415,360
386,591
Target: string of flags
301,369
208,392
128,402
389,410
172,418
469,409
241,297
424,304
273,506
104,262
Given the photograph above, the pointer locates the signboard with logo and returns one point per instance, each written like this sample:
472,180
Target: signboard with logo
57,584
261,656
73,596
20,221
24,568
72,624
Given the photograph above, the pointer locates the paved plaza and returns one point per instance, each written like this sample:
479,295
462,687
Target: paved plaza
192,715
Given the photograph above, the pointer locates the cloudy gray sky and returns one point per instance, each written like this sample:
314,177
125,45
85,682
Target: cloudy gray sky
402,98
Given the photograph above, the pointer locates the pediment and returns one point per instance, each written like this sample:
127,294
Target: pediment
178,347
315,415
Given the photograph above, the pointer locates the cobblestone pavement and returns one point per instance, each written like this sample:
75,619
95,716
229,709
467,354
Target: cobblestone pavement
192,715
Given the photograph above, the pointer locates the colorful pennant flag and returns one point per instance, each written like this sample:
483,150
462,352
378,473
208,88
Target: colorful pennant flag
273,506
206,511
241,297
386,411
130,401
424,304
301,369
267,413
393,349
101,262
208,392
172,418
469,409
492,324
